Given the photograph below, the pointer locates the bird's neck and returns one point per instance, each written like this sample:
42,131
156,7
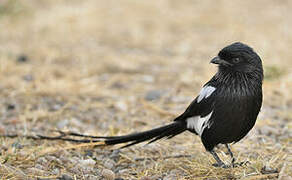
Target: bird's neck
235,77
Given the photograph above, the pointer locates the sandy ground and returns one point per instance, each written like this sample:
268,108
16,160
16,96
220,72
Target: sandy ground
105,67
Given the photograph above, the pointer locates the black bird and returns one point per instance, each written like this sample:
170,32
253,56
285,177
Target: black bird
225,110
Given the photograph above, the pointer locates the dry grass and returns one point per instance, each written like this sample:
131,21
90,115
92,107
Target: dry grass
91,64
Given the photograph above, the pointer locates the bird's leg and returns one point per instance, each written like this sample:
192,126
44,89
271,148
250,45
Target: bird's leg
233,158
231,155
219,162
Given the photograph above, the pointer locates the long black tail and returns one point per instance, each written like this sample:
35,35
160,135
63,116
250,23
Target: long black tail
167,131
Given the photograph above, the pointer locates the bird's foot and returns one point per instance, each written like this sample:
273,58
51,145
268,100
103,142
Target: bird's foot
233,165
240,164
222,165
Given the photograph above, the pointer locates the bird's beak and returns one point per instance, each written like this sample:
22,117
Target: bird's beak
218,60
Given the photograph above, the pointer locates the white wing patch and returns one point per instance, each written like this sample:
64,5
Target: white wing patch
199,123
205,92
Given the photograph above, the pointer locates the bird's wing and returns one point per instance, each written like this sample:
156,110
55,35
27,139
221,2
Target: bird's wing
202,105
199,112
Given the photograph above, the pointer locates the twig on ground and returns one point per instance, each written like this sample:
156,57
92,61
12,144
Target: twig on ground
165,157
263,176
55,149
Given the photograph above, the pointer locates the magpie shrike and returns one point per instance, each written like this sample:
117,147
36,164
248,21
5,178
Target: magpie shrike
224,111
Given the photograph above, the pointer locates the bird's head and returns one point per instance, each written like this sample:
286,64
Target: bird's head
238,57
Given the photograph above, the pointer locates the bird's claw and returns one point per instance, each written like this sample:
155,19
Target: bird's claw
233,165
240,164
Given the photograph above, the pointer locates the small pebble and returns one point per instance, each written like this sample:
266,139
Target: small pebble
123,171
38,166
117,85
10,107
53,158
268,170
156,177
22,58
76,169
109,164
91,177
17,145
87,163
115,155
65,177
170,177
28,77
42,160
153,95
56,171
148,78
76,122
55,107
88,153
146,178
35,171
62,124
74,160
175,172
64,158
86,170
108,174
121,105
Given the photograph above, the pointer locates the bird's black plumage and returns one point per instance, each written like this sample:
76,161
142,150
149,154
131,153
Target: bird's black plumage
225,110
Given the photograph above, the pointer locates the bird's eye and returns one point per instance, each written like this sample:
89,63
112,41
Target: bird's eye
236,60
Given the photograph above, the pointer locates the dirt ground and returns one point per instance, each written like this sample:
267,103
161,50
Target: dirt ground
105,67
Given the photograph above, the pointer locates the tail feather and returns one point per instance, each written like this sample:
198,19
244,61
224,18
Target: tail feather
171,133
167,131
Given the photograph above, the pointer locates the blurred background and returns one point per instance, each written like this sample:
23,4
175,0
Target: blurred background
113,67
